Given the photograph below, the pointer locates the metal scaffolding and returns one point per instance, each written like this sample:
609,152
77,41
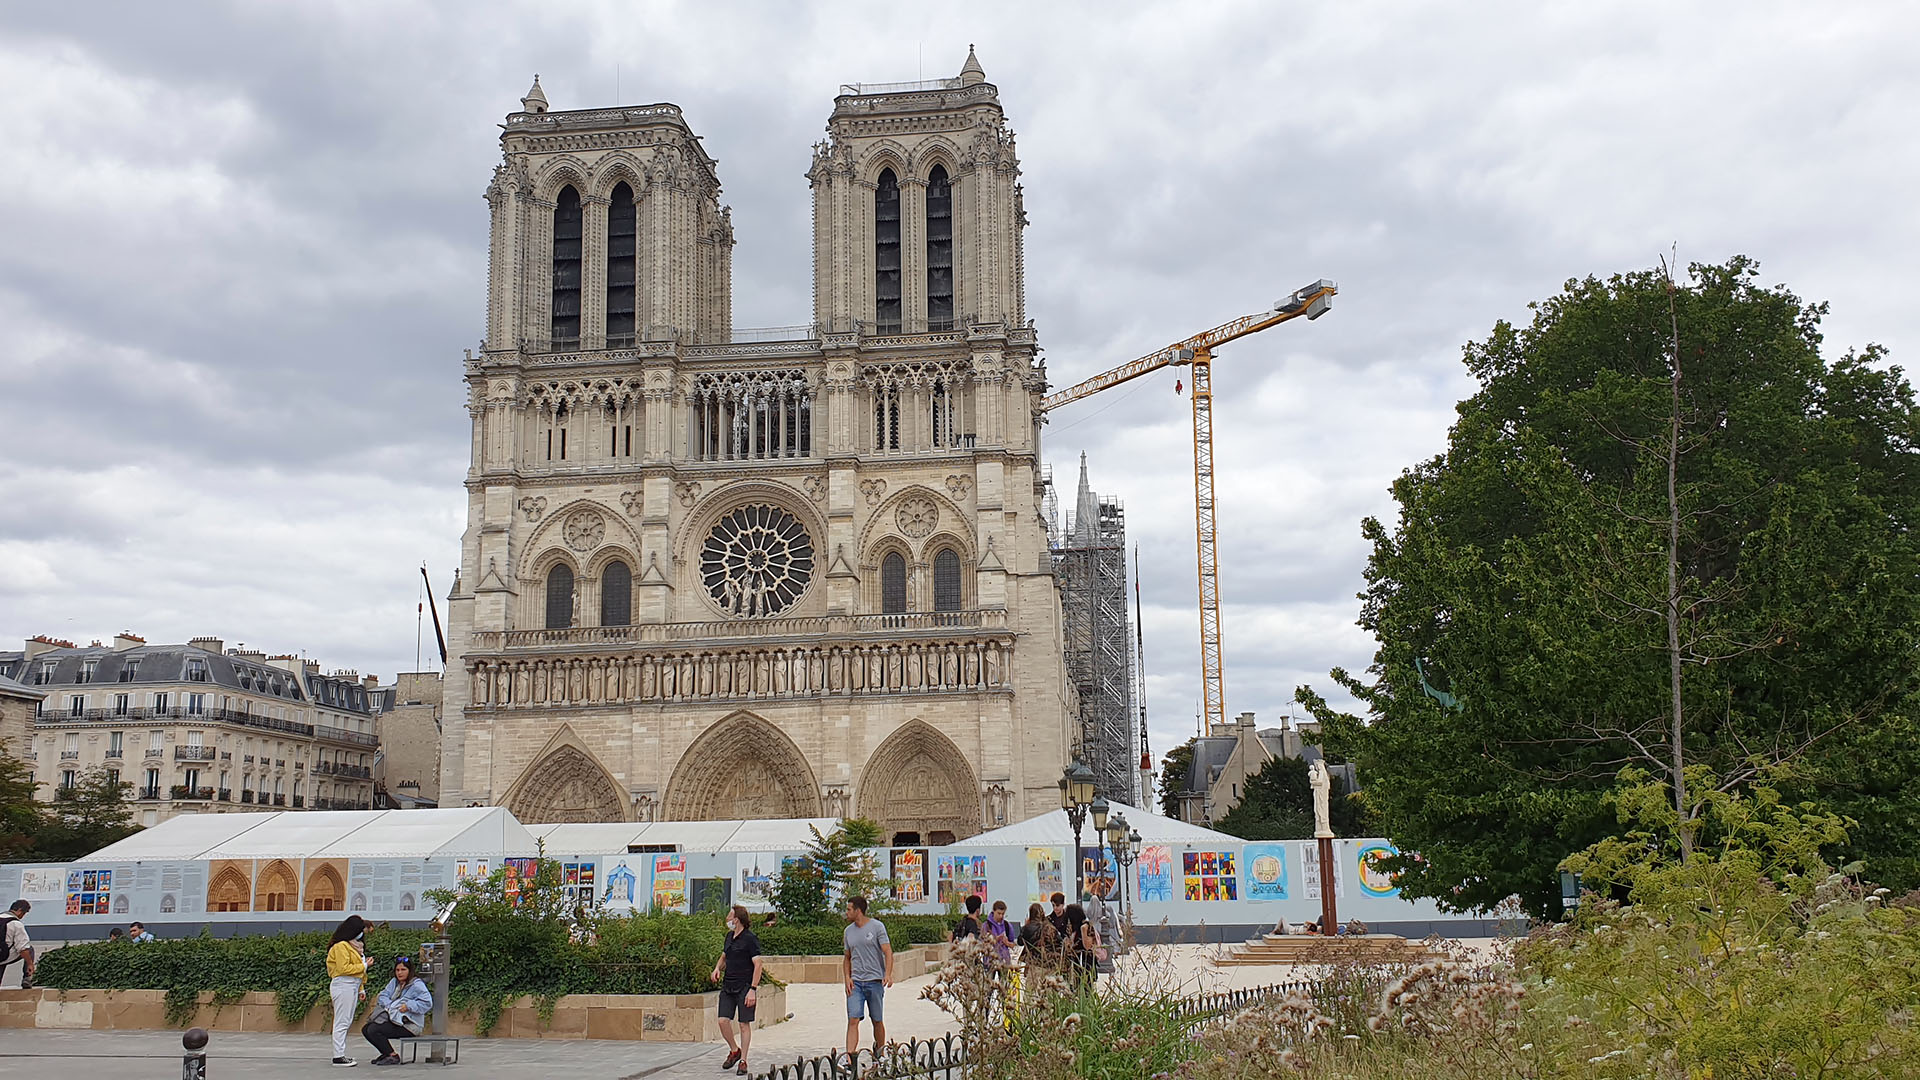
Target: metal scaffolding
1090,564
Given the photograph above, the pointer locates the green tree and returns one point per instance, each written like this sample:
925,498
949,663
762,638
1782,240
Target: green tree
1277,804
1173,777
1666,533
87,816
22,817
837,864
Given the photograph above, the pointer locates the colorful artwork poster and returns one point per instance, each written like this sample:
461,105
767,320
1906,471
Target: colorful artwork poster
1375,881
754,875
622,886
89,892
1209,875
577,880
1043,874
1266,868
1156,873
1310,872
670,882
957,877
1098,874
518,871
909,872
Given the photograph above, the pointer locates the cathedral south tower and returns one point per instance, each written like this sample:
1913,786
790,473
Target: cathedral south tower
716,574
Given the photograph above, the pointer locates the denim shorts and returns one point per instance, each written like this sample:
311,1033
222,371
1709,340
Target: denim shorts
865,1001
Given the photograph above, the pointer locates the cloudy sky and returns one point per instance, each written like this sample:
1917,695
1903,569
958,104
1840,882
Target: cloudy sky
241,249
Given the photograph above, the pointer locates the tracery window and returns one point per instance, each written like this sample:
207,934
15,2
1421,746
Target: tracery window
893,584
751,416
566,270
886,416
560,597
886,254
946,581
757,561
622,230
616,595
939,251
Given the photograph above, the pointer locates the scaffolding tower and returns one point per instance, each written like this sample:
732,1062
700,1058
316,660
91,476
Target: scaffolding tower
1090,564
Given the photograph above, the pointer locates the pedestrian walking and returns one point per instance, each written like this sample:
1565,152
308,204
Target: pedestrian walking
1079,950
1037,940
738,971
1058,916
400,1012
1000,932
969,924
869,971
139,934
19,946
347,972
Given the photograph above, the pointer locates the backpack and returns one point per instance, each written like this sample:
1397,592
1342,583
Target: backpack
6,924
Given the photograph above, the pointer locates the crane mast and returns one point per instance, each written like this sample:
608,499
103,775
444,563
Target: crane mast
1311,301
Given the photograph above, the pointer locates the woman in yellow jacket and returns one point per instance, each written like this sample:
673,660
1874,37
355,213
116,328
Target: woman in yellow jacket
347,968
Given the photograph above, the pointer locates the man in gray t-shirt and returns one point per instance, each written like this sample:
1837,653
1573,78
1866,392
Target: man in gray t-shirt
869,971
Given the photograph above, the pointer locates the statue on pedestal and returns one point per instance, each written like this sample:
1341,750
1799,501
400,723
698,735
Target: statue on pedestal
1322,785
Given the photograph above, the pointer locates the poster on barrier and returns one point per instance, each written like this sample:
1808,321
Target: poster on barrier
670,882
1210,875
1310,872
1375,881
909,871
957,877
1043,874
1098,875
1156,873
1266,870
623,884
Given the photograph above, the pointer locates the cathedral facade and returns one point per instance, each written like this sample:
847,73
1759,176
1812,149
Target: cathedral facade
711,574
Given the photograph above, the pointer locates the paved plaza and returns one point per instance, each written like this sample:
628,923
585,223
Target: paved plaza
817,1026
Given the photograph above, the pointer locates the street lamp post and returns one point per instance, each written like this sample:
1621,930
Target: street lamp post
1126,848
1077,798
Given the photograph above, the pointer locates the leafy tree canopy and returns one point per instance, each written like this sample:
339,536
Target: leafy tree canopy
1528,571
1173,777
1277,804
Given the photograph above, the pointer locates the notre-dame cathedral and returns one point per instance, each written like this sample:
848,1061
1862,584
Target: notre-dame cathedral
711,574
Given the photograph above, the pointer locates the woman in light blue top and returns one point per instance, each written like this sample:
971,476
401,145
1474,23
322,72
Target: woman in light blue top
400,1011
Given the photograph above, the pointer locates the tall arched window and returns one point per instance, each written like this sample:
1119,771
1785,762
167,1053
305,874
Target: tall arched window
893,584
886,254
939,251
616,595
622,229
946,581
566,270
560,597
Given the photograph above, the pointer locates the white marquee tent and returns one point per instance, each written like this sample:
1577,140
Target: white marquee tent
1053,827
465,832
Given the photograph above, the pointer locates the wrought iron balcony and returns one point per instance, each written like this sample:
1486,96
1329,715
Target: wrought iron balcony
181,791
69,755
194,753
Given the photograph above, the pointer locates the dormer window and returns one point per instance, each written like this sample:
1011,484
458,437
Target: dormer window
130,671
85,674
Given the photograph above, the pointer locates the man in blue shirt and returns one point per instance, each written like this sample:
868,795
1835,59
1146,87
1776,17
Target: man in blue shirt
869,971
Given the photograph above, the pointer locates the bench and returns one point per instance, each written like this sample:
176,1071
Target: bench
414,1042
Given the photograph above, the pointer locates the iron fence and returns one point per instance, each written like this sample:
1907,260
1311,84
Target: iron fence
943,1058
1225,1002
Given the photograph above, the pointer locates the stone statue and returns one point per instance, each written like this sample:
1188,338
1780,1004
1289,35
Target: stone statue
1322,788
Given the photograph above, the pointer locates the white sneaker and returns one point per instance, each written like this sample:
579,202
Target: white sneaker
345,1063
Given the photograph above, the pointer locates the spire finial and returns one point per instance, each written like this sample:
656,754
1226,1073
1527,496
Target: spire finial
971,72
536,99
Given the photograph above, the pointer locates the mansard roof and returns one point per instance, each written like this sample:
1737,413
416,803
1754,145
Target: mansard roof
148,664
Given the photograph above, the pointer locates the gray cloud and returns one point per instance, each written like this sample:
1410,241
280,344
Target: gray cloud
244,246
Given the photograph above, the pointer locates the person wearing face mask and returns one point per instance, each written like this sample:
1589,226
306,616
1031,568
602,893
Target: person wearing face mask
738,972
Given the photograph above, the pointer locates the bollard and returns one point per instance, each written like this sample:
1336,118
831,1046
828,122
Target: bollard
193,1064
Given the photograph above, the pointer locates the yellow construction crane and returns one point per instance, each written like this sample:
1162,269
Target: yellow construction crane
1312,302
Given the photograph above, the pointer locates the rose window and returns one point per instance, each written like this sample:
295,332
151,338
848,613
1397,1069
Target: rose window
757,561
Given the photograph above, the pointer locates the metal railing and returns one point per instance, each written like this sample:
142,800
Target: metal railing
759,631
1208,1006
194,753
327,768
909,87
943,1058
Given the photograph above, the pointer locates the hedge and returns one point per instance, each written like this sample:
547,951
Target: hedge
791,939
294,966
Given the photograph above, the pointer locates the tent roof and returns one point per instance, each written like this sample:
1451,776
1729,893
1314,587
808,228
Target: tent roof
483,831
1052,827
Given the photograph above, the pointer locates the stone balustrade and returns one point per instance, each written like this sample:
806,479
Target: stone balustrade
973,663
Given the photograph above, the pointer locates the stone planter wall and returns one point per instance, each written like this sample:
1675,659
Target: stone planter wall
648,1017
907,964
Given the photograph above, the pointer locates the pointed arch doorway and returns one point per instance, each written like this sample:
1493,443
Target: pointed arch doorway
566,783
920,789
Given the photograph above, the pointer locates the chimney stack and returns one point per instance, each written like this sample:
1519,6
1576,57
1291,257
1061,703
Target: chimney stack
210,644
127,639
